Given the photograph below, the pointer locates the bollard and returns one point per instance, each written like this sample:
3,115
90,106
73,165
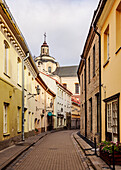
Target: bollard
113,157
95,145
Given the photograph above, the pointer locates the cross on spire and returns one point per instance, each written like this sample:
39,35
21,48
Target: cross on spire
45,37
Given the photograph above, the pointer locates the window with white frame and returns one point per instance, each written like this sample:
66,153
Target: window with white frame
6,57
112,117
5,118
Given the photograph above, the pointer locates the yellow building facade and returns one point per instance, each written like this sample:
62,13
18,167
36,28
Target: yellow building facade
13,50
109,25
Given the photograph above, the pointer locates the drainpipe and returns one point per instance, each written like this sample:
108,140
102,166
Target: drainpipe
23,60
99,79
85,102
85,97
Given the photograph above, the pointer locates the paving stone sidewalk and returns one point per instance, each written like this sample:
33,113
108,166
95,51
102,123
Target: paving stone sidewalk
11,153
97,162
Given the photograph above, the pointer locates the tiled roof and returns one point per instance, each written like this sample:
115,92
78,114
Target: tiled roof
67,71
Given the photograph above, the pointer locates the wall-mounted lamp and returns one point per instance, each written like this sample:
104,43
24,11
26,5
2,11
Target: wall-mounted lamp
38,92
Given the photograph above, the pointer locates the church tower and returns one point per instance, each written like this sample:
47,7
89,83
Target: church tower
45,62
44,47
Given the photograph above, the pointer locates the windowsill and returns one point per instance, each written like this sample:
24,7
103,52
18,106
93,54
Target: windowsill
6,75
19,85
106,63
118,50
6,134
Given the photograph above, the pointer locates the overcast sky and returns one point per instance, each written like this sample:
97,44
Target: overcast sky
66,23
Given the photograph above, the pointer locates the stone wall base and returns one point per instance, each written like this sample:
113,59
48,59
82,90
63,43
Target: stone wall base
9,142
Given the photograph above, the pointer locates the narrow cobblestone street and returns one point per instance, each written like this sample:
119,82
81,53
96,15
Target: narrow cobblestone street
56,151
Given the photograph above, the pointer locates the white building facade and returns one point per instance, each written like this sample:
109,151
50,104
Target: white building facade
62,101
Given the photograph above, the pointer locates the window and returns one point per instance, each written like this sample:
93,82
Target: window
61,109
49,69
18,118
48,51
18,70
89,70
109,117
106,44
118,26
29,81
93,60
6,57
112,118
77,88
5,118
65,85
98,113
90,111
43,50
112,121
84,79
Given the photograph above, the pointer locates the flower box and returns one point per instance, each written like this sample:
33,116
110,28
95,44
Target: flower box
108,158
106,152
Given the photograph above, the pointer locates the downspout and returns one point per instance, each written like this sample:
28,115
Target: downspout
85,96
85,101
99,80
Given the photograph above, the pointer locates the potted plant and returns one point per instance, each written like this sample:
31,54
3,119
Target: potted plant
106,152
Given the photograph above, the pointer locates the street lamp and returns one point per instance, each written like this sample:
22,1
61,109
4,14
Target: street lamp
38,92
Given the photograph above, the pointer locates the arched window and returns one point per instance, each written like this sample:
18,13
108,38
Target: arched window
49,69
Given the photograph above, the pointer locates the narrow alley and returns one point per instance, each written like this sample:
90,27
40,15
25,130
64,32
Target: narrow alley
56,151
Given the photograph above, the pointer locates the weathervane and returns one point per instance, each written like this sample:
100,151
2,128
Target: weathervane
45,37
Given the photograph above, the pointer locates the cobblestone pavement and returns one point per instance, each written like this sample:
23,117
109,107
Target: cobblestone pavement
56,151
